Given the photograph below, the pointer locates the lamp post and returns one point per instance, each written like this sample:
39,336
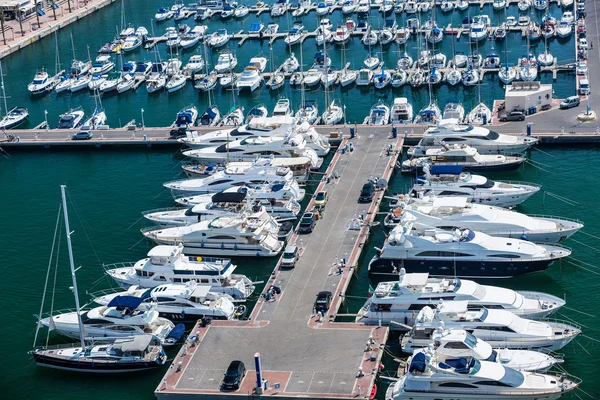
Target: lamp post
46,118
2,26
143,125
344,115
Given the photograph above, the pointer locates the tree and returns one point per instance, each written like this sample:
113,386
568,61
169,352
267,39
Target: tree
18,14
2,25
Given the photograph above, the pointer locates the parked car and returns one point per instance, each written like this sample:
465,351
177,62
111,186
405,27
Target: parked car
290,256
570,102
83,135
513,116
366,193
581,68
323,301
234,375
583,44
178,133
584,87
308,222
321,199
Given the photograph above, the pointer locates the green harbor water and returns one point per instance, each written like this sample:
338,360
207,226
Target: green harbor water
109,190
160,108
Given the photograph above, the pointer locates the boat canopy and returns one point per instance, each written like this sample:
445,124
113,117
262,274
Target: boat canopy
209,111
229,197
177,332
125,302
255,27
446,169
137,343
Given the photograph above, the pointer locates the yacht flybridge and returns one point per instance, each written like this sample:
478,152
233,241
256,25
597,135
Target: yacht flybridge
482,139
456,211
235,175
189,302
428,378
499,328
452,181
248,235
461,252
274,194
257,146
400,300
169,264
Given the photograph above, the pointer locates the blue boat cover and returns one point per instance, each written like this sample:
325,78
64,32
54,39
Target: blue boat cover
255,27
277,187
125,302
446,169
177,332
210,112
418,363
427,112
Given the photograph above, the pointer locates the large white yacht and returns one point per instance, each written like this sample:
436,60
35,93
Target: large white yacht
168,264
469,378
461,252
274,194
456,211
482,139
452,344
443,181
400,300
111,321
279,126
189,302
232,176
465,156
257,146
209,210
499,328
247,235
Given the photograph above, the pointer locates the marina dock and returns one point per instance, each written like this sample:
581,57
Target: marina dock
302,356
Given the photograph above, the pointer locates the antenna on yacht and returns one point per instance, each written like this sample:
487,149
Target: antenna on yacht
3,91
72,263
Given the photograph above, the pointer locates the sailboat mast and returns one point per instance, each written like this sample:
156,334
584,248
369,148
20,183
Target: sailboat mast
3,92
71,262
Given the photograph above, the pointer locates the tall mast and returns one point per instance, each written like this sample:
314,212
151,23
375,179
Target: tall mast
73,46
71,262
3,92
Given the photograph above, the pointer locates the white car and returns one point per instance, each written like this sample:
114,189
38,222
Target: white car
583,44
582,68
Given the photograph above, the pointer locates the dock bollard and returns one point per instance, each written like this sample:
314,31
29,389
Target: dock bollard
528,129
351,132
18,139
145,138
394,132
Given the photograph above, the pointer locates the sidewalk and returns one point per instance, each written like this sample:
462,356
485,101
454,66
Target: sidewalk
13,38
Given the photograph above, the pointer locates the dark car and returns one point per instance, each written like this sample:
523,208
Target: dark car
323,301
308,222
513,116
83,135
234,375
366,193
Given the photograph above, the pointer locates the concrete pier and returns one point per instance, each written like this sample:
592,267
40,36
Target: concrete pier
306,356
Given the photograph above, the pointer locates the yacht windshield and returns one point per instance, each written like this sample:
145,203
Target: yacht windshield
512,377
471,340
492,135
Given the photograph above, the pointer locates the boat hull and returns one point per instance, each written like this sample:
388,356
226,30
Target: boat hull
459,268
484,168
90,366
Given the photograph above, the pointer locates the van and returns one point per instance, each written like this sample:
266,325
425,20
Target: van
290,256
570,102
584,87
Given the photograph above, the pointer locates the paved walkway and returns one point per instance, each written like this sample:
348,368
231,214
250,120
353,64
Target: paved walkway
308,357
19,35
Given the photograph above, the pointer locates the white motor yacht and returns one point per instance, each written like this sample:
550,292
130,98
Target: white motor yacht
102,65
42,83
247,149
229,177
194,64
71,119
463,156
218,38
290,64
249,235
431,211
365,77
226,62
480,138
465,378
14,117
454,111
397,300
313,77
478,189
282,108
452,344
402,111
499,328
379,115
182,303
169,265
461,252
111,321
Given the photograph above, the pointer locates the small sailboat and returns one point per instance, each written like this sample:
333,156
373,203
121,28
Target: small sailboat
480,115
333,114
258,111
